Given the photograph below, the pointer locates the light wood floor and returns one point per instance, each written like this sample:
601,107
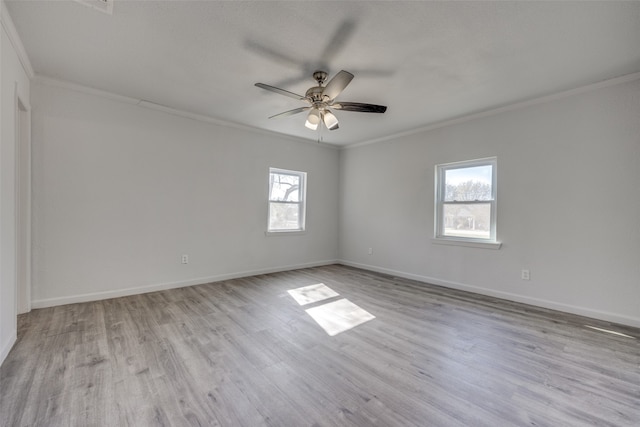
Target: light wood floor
244,353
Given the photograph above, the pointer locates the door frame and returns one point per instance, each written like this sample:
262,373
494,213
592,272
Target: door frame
22,203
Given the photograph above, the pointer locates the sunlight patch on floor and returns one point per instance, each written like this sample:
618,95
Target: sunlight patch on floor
334,317
339,316
609,331
312,293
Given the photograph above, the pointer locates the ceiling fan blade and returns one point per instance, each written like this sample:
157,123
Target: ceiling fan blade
290,112
338,41
360,107
337,84
275,55
280,91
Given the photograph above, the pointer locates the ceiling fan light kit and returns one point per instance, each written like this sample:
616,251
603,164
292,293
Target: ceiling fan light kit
321,98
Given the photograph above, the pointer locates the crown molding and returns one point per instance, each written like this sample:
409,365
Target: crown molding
143,103
14,38
207,119
65,84
503,109
212,120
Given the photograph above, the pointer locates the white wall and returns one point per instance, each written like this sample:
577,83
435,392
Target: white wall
121,192
568,204
13,79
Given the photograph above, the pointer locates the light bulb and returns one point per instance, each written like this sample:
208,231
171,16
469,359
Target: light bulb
313,119
330,120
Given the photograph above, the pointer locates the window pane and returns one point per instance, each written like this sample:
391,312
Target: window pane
284,216
467,184
284,187
467,220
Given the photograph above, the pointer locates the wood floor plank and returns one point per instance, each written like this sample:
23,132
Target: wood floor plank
243,352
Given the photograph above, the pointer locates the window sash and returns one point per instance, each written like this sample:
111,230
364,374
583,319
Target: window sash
300,203
440,204
300,180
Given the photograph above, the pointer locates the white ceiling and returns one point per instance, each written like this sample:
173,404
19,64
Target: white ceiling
427,61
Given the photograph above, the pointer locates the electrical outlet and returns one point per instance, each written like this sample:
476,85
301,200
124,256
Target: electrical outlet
370,251
525,275
185,259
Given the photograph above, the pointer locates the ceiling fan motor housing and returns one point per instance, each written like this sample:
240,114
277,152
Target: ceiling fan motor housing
314,94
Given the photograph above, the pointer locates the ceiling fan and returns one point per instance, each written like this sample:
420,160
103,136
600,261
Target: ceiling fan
322,99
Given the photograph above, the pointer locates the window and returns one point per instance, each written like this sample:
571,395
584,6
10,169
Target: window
466,201
286,200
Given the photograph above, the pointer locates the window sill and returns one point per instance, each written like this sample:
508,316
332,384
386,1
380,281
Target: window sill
285,233
467,243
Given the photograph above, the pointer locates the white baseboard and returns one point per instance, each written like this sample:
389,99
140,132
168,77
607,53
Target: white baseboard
567,308
6,348
96,296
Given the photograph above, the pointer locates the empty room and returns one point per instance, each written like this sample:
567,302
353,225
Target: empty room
319,213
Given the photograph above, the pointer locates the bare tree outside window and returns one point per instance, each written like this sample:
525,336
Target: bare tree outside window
286,200
465,200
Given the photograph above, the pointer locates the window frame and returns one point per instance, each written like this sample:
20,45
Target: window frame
439,205
302,202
